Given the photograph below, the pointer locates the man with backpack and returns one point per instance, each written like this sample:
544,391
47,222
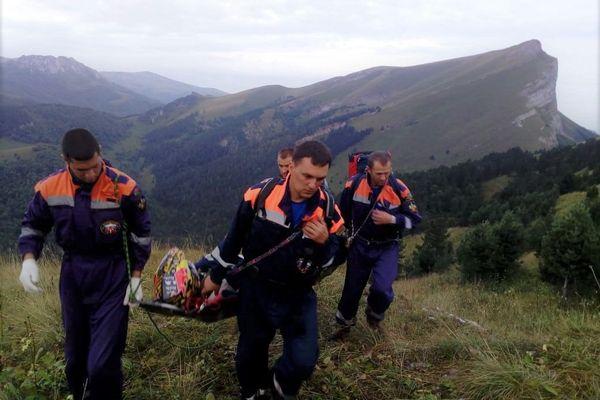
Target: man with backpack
289,224
376,207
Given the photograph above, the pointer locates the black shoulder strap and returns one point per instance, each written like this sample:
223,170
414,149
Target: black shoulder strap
329,208
263,194
396,186
355,182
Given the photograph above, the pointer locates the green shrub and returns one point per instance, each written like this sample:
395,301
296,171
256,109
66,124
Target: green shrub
570,250
490,251
435,254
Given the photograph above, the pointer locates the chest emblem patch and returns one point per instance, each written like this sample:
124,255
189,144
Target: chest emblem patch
110,227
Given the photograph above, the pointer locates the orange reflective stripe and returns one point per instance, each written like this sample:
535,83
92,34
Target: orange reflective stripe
251,195
104,188
406,192
125,188
337,225
272,210
59,185
388,194
272,201
362,192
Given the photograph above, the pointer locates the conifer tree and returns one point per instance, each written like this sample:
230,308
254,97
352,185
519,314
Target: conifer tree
570,250
435,253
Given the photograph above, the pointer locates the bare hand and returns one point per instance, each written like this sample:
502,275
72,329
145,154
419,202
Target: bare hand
316,230
208,286
382,218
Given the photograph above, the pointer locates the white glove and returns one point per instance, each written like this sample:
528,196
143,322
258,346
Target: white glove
135,287
30,276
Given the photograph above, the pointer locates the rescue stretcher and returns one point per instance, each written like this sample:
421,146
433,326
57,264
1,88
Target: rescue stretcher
177,292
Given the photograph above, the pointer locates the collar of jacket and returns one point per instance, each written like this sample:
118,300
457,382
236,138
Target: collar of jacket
367,177
286,201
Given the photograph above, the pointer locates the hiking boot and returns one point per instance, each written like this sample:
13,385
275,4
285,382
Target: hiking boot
340,334
340,320
374,320
373,323
344,326
277,392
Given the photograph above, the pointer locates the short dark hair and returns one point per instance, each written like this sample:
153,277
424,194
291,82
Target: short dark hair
286,152
79,144
318,153
382,157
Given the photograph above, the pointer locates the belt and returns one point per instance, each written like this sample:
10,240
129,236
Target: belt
370,242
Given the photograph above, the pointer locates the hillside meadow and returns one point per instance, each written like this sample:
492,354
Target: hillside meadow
442,340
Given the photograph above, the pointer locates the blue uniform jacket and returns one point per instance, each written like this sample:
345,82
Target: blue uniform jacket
88,219
254,236
356,205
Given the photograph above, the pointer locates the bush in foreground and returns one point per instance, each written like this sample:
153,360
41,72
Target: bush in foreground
490,251
571,252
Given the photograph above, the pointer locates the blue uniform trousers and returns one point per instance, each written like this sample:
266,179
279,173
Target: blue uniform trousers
264,308
92,288
364,259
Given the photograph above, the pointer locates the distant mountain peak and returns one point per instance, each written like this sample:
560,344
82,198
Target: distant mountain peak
64,80
156,86
54,65
529,49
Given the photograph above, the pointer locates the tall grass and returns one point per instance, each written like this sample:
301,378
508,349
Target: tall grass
531,346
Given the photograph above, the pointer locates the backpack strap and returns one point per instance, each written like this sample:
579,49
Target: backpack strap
329,208
259,205
355,182
395,186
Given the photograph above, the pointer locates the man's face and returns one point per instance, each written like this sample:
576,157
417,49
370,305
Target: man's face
284,165
87,171
379,173
306,178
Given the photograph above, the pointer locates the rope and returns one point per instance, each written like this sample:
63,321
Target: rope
355,233
132,291
171,342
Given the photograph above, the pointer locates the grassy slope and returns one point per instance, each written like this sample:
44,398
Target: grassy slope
533,347
10,148
465,120
494,186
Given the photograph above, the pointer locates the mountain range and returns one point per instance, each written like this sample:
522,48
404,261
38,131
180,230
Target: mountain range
196,154
61,80
157,87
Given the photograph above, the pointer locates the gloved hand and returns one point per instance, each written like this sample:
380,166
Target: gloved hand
135,287
30,276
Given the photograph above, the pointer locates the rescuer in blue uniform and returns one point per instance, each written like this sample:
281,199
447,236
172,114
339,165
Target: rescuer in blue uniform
376,207
279,294
91,206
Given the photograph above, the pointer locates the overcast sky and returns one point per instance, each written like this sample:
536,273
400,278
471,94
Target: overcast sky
235,45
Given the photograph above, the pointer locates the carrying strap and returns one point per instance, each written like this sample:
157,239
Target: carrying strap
265,191
355,182
132,290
